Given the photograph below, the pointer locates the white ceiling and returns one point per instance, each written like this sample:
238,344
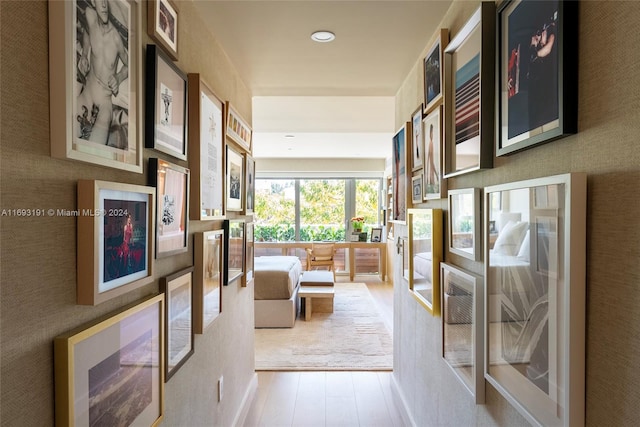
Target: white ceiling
336,98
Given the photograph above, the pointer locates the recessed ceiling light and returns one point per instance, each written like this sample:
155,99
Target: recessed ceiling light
289,136
323,36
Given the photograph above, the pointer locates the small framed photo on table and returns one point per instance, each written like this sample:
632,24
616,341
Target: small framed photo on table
376,235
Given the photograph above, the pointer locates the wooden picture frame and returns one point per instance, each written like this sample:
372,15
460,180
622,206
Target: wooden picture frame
105,131
537,64
417,140
209,275
416,189
425,254
250,184
234,184
433,71
464,223
162,25
120,355
399,174
435,186
536,308
238,129
166,105
206,153
172,201
463,327
469,94
115,239
234,249
179,338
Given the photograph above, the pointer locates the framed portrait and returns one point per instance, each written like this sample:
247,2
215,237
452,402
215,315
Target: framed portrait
416,189
208,276
162,25
166,109
399,174
115,239
433,71
235,176
178,291
120,356
469,61
206,142
464,223
238,129
250,180
100,130
417,140
425,254
537,65
234,249
172,218
536,297
435,187
376,235
463,327
250,252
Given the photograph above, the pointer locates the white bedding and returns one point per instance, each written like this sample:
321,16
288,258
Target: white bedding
276,277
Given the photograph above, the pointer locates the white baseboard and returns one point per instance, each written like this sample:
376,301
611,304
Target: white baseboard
401,403
247,401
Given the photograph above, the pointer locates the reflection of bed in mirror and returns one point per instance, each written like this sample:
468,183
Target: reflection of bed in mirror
518,295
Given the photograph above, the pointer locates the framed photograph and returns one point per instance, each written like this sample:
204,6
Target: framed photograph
399,174
425,254
206,142
209,273
162,25
536,297
464,223
463,327
537,65
417,140
178,291
238,129
112,372
416,188
376,235
469,94
435,186
234,249
251,183
235,176
166,99
96,129
433,71
172,218
250,252
115,239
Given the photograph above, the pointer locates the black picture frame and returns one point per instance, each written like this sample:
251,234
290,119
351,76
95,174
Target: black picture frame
166,105
537,67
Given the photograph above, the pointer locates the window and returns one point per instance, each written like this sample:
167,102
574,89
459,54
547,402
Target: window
322,209
275,210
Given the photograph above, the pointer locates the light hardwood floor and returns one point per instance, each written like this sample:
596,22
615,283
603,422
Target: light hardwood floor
333,398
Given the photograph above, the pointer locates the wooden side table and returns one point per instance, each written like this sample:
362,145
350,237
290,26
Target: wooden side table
323,296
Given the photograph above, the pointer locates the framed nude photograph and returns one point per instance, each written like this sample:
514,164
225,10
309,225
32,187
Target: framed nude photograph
235,178
435,186
95,82
417,140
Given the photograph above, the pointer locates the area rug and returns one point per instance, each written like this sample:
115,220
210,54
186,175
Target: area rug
352,338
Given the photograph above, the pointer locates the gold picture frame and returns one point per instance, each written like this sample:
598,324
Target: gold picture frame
424,256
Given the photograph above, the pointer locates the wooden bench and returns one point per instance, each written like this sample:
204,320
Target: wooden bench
321,297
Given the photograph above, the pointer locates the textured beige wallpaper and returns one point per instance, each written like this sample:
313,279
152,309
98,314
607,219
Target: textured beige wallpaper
38,255
606,148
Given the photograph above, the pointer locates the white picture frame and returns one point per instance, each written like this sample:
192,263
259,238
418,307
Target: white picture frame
464,223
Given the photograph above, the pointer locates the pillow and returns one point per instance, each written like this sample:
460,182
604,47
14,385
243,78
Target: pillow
510,238
523,253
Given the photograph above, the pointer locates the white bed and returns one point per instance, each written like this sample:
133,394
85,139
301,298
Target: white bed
276,284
